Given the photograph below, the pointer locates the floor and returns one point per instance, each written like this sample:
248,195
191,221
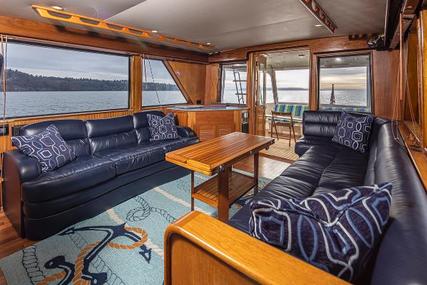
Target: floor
11,242
280,149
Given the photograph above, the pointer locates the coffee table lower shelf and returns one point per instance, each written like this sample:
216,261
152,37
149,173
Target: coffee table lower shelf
208,191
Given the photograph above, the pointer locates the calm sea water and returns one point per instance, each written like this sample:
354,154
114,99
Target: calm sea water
38,103
352,97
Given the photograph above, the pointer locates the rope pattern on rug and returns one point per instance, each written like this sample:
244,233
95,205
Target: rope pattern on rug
79,264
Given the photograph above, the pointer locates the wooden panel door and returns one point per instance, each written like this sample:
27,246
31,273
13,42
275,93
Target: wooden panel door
260,93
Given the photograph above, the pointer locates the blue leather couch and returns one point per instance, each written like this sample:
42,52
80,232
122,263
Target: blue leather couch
324,167
115,161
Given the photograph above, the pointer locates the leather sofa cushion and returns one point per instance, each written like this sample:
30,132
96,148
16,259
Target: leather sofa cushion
136,157
305,142
112,133
82,173
322,169
43,209
132,158
72,131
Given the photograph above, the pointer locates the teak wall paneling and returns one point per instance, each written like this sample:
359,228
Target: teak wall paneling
192,78
213,78
386,83
60,35
332,44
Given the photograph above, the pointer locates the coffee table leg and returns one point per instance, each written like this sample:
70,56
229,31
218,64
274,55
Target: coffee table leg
256,171
223,202
192,190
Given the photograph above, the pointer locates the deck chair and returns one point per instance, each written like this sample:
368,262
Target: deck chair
282,115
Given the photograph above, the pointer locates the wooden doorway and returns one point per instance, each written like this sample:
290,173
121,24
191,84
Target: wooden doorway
279,80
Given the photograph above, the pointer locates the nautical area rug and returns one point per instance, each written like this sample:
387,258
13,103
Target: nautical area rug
123,245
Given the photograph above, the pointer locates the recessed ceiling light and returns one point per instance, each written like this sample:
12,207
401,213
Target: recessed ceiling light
409,7
208,43
318,25
154,31
59,8
338,59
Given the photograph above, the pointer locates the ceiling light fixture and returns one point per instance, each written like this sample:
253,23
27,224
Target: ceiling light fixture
318,25
208,43
59,8
338,59
154,31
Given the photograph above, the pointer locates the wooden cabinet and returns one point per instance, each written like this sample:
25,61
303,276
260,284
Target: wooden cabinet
210,124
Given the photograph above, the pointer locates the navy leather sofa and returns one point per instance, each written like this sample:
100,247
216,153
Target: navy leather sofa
115,161
324,167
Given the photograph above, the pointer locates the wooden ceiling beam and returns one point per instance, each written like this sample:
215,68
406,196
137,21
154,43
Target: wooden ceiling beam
106,26
317,11
28,30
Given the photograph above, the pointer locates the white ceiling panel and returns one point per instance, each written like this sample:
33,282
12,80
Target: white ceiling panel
91,8
227,24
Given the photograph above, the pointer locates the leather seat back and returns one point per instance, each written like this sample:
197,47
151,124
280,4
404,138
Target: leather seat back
72,131
140,123
111,133
402,254
320,124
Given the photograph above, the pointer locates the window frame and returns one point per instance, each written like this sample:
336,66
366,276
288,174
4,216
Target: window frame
371,100
73,48
168,68
220,82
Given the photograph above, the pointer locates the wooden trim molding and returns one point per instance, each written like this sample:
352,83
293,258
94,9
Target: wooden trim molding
196,254
317,11
331,44
65,36
103,25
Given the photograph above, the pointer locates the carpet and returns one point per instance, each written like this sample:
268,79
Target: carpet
123,245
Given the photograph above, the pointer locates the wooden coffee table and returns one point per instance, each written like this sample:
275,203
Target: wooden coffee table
218,156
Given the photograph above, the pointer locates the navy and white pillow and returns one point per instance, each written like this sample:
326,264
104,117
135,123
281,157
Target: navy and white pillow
162,128
336,232
354,132
48,147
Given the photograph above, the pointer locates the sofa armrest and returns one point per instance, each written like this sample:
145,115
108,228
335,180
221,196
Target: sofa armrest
185,132
200,249
27,168
17,169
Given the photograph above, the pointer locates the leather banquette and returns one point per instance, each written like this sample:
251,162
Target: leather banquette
115,161
325,167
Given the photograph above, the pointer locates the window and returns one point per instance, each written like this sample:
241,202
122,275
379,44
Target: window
44,80
159,87
345,83
233,83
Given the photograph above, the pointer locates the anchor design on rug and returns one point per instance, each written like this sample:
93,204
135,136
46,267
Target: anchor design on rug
78,273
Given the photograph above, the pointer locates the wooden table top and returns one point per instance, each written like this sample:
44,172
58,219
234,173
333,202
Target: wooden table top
208,156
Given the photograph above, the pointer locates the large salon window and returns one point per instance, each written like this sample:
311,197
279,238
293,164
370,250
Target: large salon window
44,80
233,83
345,83
159,87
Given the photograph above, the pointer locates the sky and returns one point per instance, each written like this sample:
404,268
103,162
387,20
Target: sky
48,61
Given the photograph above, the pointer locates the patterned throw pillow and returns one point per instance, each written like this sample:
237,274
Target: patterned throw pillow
48,147
354,132
162,128
336,232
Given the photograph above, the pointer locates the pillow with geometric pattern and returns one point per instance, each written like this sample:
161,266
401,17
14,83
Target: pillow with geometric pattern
336,232
354,132
162,128
48,147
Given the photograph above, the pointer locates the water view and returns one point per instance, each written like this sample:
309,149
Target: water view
33,103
